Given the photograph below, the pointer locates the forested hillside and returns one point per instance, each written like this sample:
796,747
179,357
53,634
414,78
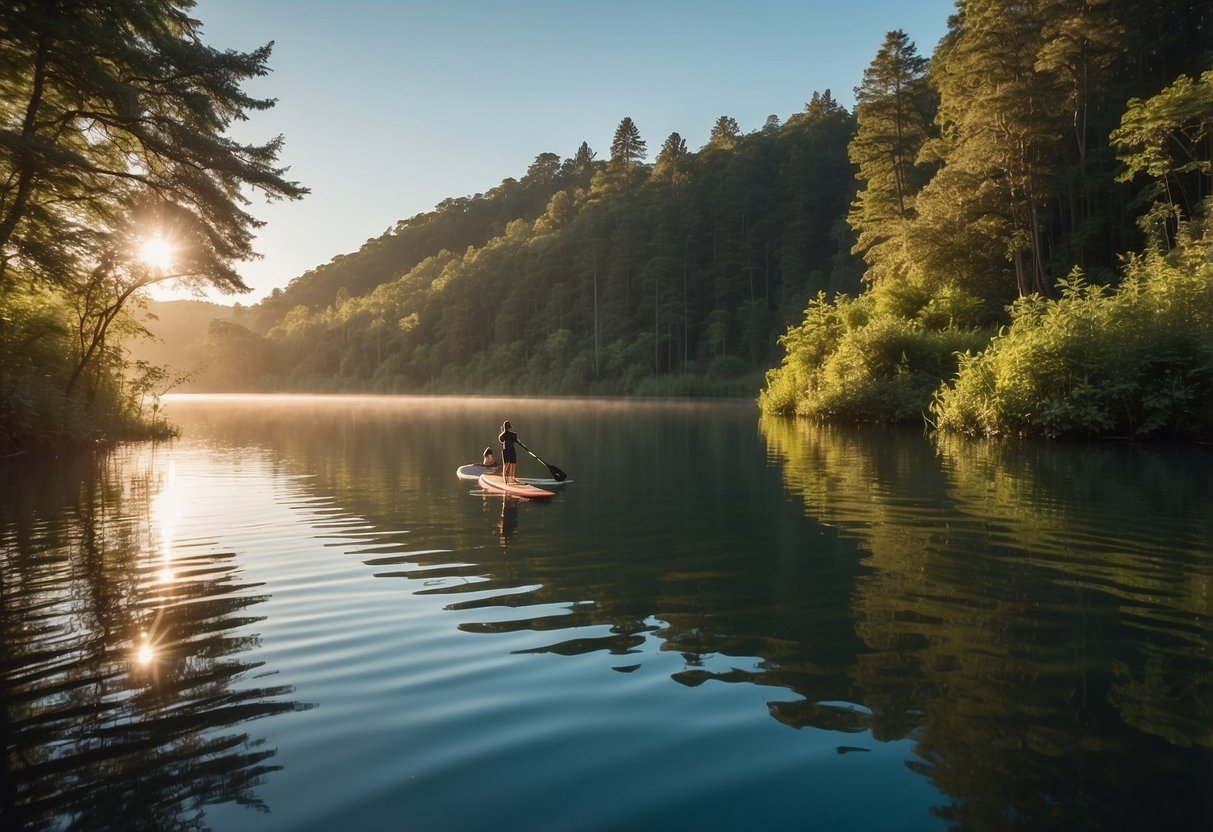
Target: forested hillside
179,338
586,275
1034,214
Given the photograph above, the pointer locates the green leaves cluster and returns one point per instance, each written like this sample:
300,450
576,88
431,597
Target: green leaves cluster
113,126
40,343
1134,362
875,358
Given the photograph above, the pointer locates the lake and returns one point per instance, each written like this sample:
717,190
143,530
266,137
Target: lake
295,617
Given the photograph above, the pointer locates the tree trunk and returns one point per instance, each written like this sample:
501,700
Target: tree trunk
1020,281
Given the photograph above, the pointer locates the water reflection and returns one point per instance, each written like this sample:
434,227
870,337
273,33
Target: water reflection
508,524
616,576
125,694
1035,618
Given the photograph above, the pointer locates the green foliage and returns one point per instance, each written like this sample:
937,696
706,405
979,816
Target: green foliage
893,112
1128,361
725,133
1161,137
238,359
115,117
627,148
37,412
1135,362
453,226
879,357
1167,138
34,338
114,131
672,160
1002,123
1022,177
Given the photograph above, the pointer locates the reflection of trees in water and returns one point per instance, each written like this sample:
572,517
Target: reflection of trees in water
122,686
1034,618
790,608
1034,637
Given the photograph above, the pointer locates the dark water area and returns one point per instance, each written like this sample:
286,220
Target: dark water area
295,616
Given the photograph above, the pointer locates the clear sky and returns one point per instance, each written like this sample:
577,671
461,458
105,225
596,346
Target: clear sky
388,108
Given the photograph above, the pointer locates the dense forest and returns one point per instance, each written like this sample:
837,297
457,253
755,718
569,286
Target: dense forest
1034,214
1010,236
583,276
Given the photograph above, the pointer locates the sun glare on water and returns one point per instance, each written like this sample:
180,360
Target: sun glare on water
157,252
146,653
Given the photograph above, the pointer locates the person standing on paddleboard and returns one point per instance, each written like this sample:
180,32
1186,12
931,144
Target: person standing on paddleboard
509,454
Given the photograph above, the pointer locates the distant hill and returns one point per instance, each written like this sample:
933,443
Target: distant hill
455,225
179,329
583,276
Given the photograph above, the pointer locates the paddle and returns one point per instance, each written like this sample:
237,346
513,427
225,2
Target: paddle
557,474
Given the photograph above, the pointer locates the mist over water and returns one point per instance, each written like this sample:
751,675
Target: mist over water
296,617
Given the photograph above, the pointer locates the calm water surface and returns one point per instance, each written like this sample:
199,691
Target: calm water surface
295,617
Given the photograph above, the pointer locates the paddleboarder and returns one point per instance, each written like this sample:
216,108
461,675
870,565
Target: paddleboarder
489,460
509,454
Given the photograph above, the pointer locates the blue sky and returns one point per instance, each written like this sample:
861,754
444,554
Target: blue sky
390,107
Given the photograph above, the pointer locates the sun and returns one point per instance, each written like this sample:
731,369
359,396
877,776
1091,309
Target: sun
156,252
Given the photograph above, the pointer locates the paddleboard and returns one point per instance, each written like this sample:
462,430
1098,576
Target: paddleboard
473,471
543,483
494,482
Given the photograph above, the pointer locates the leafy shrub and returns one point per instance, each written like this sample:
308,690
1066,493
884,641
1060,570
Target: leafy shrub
871,358
1134,362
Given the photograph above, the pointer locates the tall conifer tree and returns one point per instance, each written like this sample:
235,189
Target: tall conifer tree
893,114
1002,123
672,159
627,147
724,133
583,160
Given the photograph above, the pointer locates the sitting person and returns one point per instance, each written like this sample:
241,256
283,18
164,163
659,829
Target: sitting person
489,460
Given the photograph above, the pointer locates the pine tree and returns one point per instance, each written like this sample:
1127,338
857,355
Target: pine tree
822,105
1083,43
672,159
1081,38
583,161
893,115
724,133
627,147
544,170
1002,123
